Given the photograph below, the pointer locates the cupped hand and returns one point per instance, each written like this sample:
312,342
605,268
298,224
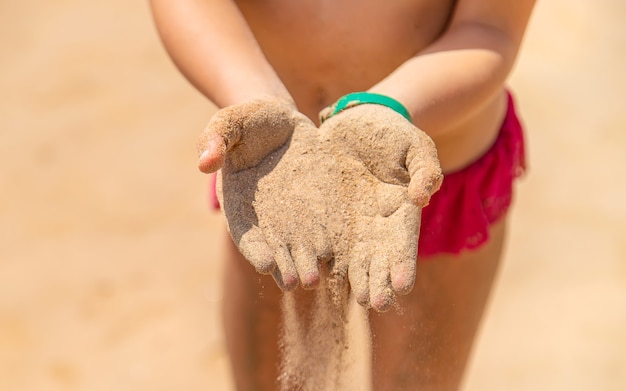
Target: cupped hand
389,171
272,187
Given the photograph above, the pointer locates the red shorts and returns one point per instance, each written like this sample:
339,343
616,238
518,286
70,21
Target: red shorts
470,200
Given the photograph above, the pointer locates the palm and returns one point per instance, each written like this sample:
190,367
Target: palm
389,170
276,210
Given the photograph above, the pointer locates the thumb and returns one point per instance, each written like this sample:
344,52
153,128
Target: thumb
212,151
221,133
242,135
424,170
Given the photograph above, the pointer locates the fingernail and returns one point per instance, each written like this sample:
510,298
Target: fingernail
382,303
310,280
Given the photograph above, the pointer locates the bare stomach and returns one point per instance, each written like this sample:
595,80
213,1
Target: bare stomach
323,49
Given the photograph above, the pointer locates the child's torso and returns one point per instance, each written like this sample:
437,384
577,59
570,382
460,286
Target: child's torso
323,49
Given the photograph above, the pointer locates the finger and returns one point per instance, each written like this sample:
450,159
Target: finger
381,293
305,261
221,133
358,273
424,169
212,150
255,249
423,186
285,273
402,275
403,228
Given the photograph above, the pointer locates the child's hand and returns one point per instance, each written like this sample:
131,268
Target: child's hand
389,171
272,186
241,136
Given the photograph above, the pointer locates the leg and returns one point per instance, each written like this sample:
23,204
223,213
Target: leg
253,321
427,344
251,313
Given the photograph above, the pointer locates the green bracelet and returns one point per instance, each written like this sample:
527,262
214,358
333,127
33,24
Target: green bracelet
359,98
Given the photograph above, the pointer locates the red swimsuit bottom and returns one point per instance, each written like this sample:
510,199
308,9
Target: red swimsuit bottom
470,200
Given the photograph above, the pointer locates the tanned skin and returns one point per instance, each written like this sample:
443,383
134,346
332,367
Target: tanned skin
446,61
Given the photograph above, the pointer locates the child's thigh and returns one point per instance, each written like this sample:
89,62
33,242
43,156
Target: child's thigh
427,340
251,317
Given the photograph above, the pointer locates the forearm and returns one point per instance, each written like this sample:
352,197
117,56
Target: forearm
453,78
458,74
213,47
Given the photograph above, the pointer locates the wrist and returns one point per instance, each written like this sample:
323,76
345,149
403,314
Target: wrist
247,93
242,85
360,98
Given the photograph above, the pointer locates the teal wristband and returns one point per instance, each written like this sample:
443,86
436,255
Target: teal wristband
359,98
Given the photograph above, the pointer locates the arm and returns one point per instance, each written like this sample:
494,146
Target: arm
463,69
212,45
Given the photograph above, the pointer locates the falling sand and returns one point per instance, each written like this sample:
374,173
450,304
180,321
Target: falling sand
324,346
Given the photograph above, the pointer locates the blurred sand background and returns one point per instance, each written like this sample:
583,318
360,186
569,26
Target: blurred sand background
109,276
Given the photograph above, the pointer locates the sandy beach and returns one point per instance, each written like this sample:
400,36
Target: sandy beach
109,269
